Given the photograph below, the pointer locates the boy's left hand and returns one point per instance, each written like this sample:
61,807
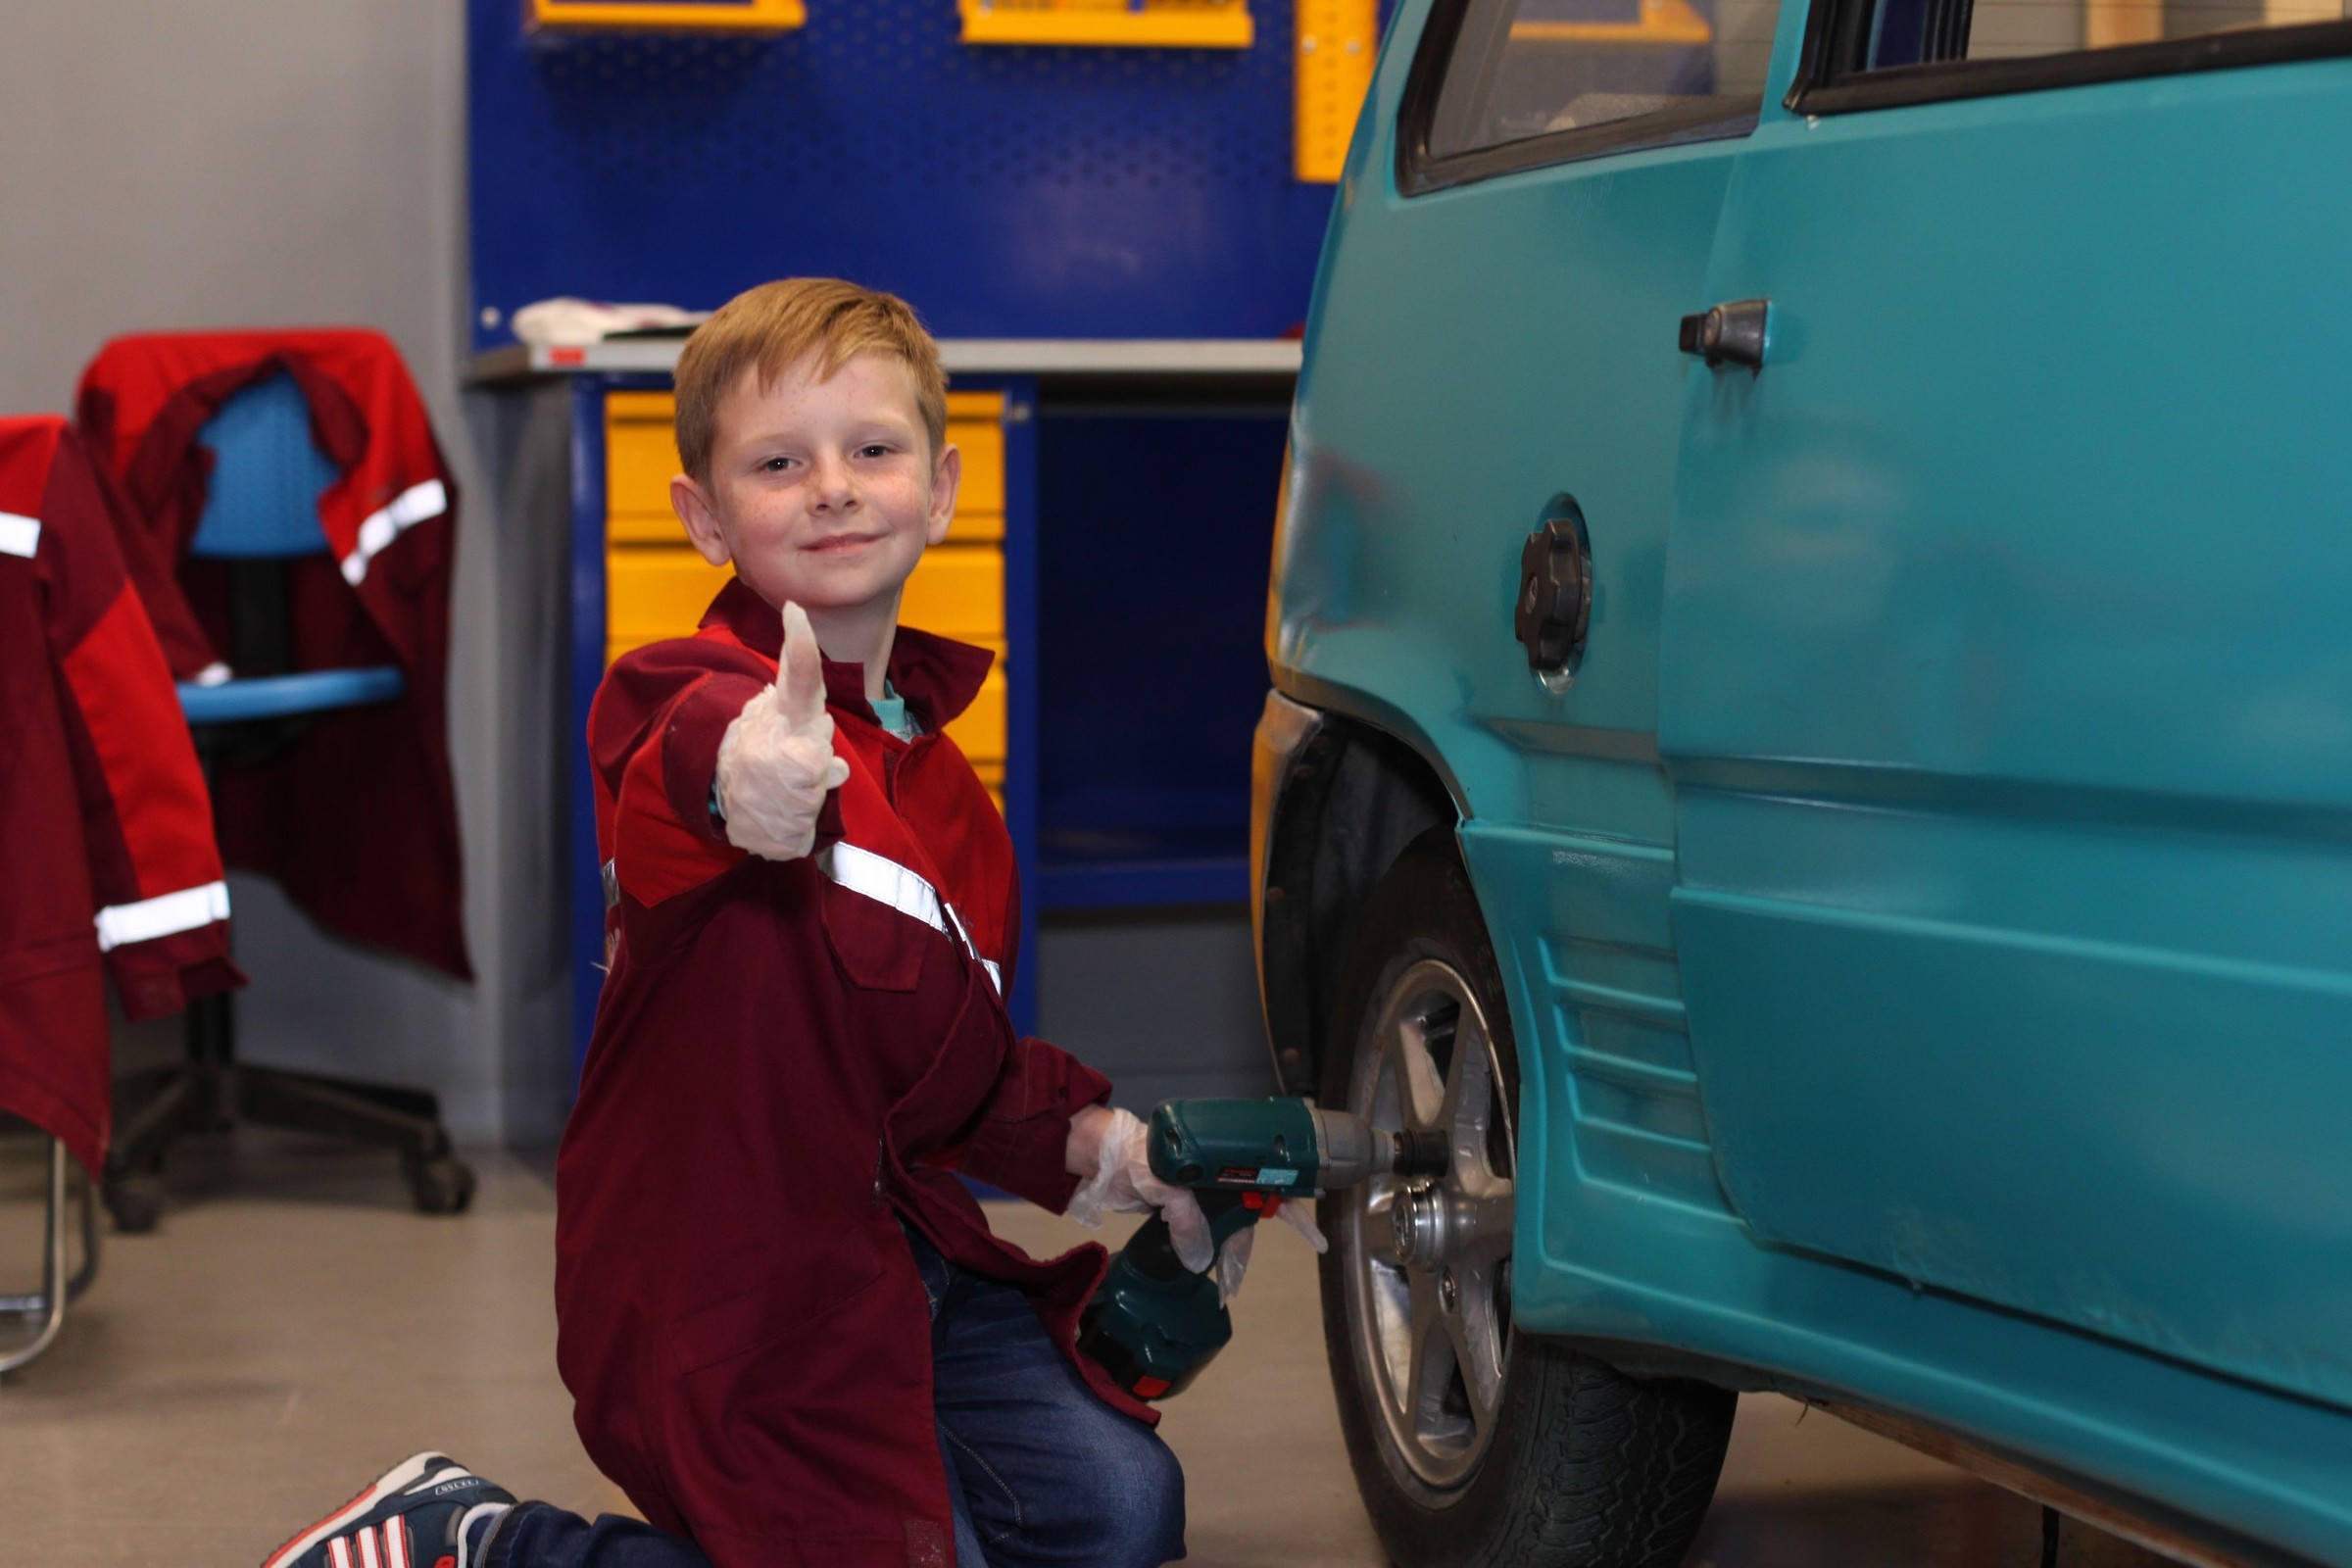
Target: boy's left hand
1106,1152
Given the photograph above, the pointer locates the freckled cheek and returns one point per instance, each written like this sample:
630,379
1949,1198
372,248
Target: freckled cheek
771,528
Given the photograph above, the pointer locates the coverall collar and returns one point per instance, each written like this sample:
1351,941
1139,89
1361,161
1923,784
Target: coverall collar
937,676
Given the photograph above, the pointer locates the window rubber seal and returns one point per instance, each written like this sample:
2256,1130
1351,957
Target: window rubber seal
1831,80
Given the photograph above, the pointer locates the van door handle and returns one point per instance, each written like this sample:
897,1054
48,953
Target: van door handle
1735,332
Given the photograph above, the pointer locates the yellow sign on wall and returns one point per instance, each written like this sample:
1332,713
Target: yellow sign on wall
1155,24
1337,40
670,15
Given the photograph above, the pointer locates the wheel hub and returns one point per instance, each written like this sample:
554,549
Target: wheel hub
1417,1226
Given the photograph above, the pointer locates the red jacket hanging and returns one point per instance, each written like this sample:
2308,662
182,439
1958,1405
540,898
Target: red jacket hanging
786,1055
106,833
358,818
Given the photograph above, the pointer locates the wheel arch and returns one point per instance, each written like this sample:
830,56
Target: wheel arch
1350,802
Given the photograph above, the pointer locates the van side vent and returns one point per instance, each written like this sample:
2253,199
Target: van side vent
1638,1119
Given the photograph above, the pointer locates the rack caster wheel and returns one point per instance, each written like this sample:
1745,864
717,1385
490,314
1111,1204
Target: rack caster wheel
442,1184
136,1202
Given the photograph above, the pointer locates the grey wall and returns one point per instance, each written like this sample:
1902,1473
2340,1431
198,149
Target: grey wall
1164,1002
279,162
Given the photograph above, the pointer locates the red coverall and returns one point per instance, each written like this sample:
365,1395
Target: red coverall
785,1057
106,833
358,819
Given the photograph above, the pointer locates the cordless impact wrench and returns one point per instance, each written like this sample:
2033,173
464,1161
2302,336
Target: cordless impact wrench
1153,1324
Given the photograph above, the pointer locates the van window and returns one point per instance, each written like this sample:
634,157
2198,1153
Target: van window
1524,69
1912,32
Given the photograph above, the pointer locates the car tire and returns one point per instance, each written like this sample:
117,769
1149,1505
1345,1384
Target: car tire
1473,1446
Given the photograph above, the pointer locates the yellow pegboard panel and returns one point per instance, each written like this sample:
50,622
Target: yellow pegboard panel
1161,24
668,16
1337,41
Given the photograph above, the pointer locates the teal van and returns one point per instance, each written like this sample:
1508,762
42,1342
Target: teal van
1811,627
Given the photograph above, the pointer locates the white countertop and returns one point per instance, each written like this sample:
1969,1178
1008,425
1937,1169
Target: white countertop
964,355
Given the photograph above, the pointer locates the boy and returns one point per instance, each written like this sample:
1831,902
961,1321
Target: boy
789,1333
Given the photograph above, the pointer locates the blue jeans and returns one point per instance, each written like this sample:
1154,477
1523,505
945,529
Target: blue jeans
1040,1471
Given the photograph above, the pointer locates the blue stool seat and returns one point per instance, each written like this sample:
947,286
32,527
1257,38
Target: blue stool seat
313,691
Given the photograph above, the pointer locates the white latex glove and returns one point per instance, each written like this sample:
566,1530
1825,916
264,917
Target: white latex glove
1233,1259
776,761
1106,1152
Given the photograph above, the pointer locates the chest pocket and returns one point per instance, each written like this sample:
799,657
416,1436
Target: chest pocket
875,947
871,908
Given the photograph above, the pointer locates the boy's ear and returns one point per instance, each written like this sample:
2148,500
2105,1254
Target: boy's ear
947,475
692,502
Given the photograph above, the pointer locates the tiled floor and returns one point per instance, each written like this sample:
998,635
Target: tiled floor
292,1327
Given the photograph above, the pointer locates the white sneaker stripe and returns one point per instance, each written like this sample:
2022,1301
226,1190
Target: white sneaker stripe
385,1484
395,1541
370,1557
338,1553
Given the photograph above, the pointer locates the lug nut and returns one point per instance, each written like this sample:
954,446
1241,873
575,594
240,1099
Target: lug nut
1417,1222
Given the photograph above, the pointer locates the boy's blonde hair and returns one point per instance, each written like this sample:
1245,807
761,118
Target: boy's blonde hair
776,325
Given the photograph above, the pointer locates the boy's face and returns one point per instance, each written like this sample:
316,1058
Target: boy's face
822,492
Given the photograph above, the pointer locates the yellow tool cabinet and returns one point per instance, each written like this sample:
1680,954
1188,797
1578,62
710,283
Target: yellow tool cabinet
657,585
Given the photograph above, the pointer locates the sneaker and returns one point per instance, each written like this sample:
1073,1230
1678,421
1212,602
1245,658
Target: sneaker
421,1513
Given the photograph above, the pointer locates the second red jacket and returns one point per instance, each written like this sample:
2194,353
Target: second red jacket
358,818
788,1058
106,832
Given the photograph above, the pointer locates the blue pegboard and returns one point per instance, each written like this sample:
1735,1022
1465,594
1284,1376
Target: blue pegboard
1007,193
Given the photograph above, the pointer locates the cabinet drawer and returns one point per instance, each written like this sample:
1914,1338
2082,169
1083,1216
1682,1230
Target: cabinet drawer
652,592
641,456
979,730
958,592
976,425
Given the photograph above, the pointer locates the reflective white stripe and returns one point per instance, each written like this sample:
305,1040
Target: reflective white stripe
370,1557
338,1553
403,512
396,1542
161,916
995,976
886,881
20,535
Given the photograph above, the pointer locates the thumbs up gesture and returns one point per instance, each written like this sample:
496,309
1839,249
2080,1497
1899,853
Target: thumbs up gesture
776,761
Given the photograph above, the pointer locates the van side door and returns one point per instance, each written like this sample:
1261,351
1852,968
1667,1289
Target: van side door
2007,673
1478,370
